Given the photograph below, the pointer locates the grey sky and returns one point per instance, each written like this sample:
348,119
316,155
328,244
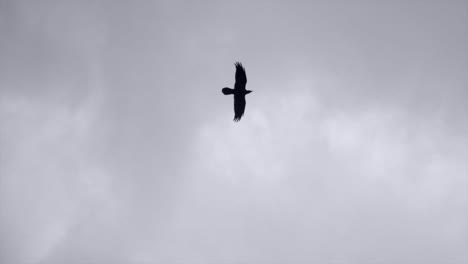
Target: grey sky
117,146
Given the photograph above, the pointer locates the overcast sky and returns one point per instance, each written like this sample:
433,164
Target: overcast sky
117,145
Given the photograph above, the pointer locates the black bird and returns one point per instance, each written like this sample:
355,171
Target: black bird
239,92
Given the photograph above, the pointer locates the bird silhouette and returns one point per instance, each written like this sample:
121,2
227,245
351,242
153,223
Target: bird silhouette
239,92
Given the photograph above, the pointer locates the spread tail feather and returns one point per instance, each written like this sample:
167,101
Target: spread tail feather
227,91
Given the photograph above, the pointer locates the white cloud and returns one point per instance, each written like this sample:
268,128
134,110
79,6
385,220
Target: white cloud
48,175
361,159
364,186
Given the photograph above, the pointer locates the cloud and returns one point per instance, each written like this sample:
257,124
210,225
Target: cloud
344,187
375,184
48,173
118,147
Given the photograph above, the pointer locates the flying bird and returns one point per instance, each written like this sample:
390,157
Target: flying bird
239,92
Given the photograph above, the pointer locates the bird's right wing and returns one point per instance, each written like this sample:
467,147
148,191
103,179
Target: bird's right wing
241,77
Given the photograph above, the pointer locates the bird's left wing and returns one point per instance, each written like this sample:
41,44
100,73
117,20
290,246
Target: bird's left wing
239,107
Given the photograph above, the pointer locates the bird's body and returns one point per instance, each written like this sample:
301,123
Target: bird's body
239,92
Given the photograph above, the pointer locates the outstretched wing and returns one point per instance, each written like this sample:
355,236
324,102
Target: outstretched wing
241,77
239,107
